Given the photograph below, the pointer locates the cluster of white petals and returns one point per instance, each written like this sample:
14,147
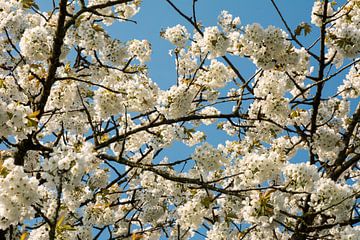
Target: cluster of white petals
18,191
207,157
227,22
269,48
36,43
177,101
141,50
345,34
351,84
318,12
177,35
213,41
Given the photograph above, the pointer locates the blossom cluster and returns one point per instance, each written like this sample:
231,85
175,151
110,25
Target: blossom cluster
177,35
18,192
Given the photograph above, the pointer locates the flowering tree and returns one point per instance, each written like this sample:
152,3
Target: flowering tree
83,127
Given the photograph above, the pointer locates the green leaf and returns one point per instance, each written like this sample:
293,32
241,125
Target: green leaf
32,123
24,236
33,115
60,221
343,42
230,215
206,201
294,114
97,28
67,227
36,6
10,115
3,171
33,119
189,132
79,20
302,27
136,236
214,42
2,83
28,4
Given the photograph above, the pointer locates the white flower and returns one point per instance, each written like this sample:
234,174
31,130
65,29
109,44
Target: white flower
227,22
127,10
140,50
317,12
36,43
270,49
351,84
214,42
209,111
177,35
344,34
207,157
216,75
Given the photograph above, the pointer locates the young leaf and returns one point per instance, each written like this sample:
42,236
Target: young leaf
136,236
24,236
33,115
302,27
28,4
60,221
